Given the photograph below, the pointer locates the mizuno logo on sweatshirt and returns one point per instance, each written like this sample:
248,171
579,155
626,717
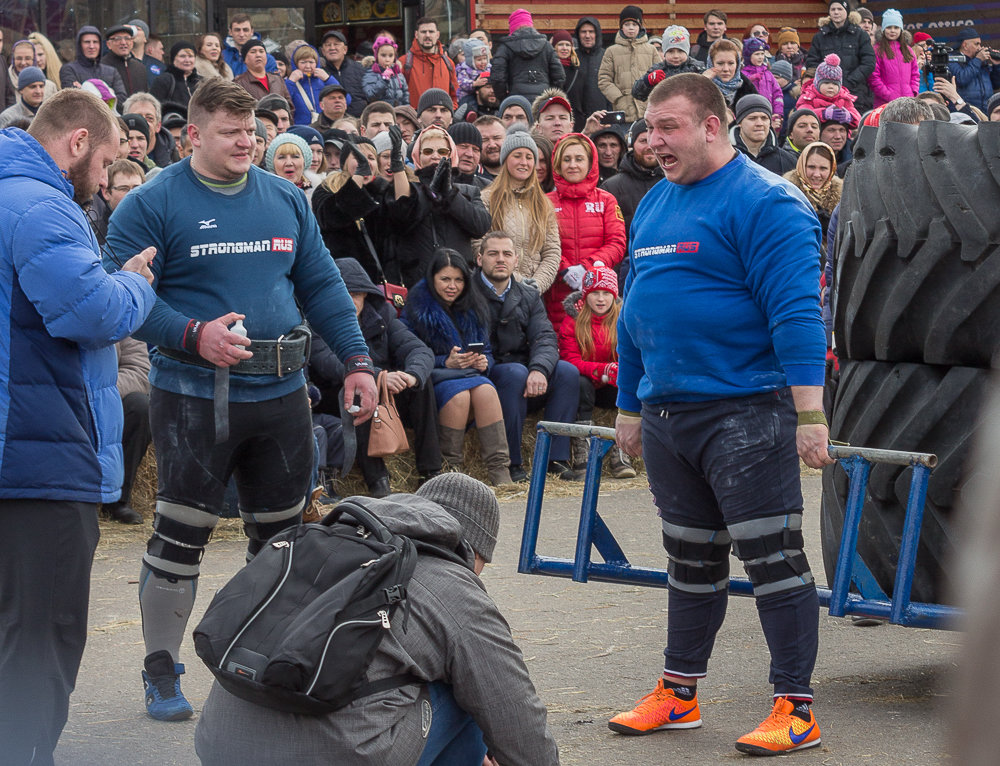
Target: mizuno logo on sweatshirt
277,245
209,224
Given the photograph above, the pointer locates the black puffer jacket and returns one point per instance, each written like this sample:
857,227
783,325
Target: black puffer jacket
584,94
520,330
525,64
132,71
771,156
453,221
172,87
631,185
857,57
384,216
391,344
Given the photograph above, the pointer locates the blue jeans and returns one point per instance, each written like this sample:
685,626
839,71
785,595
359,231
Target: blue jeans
560,401
454,738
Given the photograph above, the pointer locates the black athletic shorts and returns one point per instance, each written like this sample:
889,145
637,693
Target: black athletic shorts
269,451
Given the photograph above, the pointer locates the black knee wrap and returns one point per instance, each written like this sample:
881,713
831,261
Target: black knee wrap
699,558
176,548
771,552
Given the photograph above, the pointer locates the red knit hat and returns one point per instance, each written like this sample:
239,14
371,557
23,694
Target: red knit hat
919,37
600,278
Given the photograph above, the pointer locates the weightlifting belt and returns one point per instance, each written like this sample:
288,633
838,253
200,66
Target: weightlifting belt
280,357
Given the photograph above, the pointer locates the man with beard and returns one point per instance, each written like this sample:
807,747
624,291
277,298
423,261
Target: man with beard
493,133
62,418
426,65
584,94
481,102
637,174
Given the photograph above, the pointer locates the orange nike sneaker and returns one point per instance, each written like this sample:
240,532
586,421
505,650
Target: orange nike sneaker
660,709
781,732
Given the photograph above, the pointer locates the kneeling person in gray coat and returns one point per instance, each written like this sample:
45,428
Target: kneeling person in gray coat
476,692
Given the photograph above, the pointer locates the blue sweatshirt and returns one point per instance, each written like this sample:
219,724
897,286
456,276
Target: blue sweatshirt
722,298
255,252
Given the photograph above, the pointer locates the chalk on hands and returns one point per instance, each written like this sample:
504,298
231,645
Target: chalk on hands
354,409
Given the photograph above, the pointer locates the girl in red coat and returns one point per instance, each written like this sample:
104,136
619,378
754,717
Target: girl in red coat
588,339
591,225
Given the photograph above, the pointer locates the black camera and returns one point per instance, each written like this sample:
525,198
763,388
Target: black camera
939,54
994,54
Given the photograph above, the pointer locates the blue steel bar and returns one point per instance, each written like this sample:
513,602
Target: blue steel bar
588,506
533,514
857,470
857,462
910,542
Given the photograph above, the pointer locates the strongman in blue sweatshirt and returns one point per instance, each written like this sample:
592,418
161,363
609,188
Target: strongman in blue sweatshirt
720,377
232,241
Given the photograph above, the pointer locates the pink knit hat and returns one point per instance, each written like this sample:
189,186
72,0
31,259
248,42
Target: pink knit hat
520,18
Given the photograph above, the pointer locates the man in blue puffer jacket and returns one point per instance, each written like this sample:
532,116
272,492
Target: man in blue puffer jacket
60,413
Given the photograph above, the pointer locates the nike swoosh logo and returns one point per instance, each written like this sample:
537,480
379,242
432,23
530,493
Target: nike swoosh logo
797,740
677,717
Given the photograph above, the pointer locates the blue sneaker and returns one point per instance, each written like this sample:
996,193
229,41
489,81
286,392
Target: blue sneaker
162,683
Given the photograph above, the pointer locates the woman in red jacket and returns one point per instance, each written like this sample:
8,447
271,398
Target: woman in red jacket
588,339
591,225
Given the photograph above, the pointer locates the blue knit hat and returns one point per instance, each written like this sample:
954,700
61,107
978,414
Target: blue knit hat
28,76
892,18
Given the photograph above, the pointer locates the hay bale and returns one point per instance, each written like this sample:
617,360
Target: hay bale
403,473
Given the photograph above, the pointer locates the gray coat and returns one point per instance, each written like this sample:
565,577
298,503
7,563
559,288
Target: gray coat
455,633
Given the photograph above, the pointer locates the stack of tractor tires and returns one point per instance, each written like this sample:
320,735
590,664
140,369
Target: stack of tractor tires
916,306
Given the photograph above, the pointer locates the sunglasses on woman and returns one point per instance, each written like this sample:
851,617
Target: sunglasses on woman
428,152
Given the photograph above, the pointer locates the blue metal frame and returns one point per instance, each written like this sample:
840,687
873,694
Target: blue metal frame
868,601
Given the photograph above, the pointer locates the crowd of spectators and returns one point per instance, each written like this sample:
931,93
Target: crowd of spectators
495,179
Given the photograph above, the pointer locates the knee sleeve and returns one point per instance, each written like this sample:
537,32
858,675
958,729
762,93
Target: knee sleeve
180,534
771,552
262,524
699,558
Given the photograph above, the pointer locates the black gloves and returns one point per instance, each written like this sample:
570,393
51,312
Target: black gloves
440,184
396,162
364,167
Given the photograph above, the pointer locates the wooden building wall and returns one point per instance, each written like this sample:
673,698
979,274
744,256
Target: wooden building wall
550,15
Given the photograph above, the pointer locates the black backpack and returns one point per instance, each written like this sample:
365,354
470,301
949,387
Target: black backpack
296,629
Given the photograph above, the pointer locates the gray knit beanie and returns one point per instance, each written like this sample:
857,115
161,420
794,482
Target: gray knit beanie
518,137
434,97
382,142
751,103
992,104
521,101
781,68
472,503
